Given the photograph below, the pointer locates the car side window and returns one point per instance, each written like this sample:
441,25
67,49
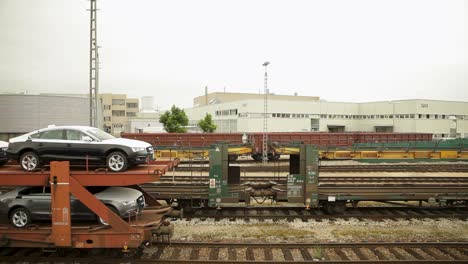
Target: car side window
37,135
37,190
52,134
74,135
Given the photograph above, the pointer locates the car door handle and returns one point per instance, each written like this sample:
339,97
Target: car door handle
68,145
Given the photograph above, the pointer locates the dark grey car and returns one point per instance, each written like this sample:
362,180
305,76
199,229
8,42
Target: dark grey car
24,205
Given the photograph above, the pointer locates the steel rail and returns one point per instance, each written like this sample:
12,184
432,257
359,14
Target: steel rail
250,252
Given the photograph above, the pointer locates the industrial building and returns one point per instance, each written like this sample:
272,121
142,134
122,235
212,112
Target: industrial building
23,113
116,110
243,112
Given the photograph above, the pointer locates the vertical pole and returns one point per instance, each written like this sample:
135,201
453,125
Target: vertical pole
265,117
93,65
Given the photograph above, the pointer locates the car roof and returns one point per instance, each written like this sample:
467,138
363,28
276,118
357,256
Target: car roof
64,127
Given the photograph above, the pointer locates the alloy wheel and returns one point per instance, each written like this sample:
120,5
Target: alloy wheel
29,162
19,218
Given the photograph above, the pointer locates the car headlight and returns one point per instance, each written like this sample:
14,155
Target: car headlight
4,149
127,203
136,149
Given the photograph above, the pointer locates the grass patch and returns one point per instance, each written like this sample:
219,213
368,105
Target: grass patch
317,252
398,234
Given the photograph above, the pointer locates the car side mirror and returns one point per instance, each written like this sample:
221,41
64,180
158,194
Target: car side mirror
29,139
87,139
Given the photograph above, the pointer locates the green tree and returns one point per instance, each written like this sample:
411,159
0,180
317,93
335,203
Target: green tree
206,124
175,120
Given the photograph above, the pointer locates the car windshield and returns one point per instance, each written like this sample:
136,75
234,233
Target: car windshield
101,135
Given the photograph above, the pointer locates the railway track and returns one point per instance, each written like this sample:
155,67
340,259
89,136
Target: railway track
202,180
219,252
362,213
284,166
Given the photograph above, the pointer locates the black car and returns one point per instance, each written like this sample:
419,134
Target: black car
3,154
79,145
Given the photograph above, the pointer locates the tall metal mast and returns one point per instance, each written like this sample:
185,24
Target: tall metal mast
93,66
265,117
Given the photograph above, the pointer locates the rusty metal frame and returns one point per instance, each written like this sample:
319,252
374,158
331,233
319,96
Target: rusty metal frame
61,233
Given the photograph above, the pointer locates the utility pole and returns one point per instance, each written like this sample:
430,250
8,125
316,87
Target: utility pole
93,66
265,116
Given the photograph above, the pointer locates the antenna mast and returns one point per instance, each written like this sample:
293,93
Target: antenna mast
93,67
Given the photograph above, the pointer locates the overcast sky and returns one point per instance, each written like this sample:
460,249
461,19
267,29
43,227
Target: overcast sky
354,51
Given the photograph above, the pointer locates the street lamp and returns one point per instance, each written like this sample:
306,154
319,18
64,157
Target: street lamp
265,117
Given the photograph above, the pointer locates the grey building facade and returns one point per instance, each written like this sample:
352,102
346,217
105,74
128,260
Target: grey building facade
22,113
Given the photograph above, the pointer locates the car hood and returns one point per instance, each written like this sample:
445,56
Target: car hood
127,142
119,194
3,144
11,194
21,138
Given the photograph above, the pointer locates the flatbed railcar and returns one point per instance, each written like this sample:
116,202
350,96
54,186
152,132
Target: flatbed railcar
200,142
304,187
121,235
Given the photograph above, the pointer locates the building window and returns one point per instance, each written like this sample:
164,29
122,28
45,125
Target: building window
107,118
107,107
131,114
226,112
118,101
118,113
132,105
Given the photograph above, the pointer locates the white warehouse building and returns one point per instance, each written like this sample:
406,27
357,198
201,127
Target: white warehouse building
241,112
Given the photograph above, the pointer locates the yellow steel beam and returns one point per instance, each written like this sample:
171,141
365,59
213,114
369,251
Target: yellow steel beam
332,155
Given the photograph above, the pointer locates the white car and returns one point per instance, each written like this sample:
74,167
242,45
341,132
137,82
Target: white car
79,145
3,154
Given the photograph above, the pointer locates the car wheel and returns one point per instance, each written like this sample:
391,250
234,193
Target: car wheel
30,161
117,161
20,217
102,221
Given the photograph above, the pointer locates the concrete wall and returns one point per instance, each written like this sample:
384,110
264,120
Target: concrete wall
21,114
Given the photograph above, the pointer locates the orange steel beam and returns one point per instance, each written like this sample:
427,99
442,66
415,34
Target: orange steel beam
119,234
143,174
150,200
60,204
97,206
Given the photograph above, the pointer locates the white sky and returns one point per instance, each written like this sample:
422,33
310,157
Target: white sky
354,51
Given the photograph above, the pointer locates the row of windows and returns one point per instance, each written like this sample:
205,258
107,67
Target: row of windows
118,113
129,105
288,115
400,116
227,112
332,116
